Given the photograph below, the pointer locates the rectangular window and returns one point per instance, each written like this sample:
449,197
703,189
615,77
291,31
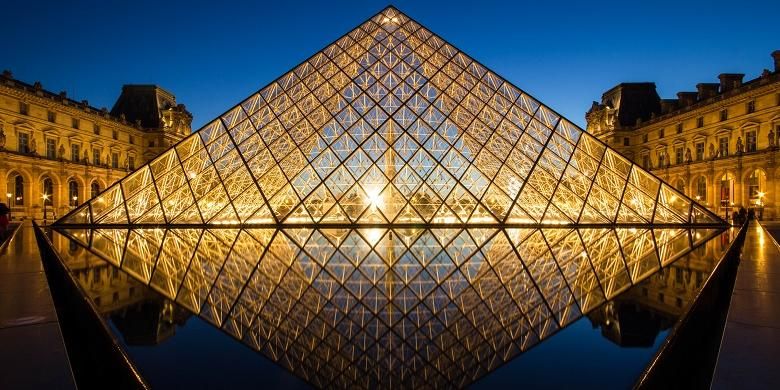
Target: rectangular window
75,123
131,162
751,106
661,159
132,140
699,151
644,138
661,133
114,160
750,141
24,143
626,141
679,128
74,152
724,114
51,116
96,156
115,134
151,144
700,121
646,161
723,147
678,155
51,149
96,129
24,108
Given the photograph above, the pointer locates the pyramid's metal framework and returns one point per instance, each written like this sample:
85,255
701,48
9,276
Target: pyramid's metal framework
391,307
389,214
390,125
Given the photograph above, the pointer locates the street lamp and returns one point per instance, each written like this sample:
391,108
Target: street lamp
75,199
8,197
45,201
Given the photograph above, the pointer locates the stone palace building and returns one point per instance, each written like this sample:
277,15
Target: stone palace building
718,144
56,152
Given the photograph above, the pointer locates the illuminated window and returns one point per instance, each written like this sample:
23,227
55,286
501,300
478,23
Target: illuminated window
756,184
51,149
679,155
699,151
48,191
723,147
114,160
96,156
73,193
94,189
750,141
23,141
646,161
701,189
74,152
16,189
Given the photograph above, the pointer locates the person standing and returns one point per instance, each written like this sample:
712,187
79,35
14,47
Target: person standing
5,214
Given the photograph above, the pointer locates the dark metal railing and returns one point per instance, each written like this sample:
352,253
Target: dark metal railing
687,358
97,358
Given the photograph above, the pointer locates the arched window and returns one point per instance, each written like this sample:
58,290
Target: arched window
94,189
48,191
679,185
701,189
73,193
726,190
15,192
756,185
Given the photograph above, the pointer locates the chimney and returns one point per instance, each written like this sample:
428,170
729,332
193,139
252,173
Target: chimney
669,105
729,81
776,57
707,90
687,98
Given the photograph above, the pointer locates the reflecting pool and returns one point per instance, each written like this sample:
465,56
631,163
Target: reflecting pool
391,307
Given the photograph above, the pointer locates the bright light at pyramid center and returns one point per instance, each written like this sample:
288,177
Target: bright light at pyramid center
375,197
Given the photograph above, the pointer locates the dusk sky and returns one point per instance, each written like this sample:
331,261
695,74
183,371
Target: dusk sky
212,55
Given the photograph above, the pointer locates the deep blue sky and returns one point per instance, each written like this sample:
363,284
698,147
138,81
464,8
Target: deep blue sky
213,54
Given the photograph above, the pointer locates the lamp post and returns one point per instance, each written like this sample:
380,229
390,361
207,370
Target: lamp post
75,199
8,198
760,205
45,202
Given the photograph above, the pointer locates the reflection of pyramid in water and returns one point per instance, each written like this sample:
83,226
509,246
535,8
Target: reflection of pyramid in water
406,307
390,124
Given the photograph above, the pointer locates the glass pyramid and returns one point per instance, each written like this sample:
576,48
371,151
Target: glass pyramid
390,124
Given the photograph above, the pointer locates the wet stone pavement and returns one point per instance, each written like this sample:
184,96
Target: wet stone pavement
33,354
750,351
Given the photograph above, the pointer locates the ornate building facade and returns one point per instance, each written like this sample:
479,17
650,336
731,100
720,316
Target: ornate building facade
56,152
718,145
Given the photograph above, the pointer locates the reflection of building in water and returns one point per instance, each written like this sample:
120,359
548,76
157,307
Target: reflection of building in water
635,318
141,315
